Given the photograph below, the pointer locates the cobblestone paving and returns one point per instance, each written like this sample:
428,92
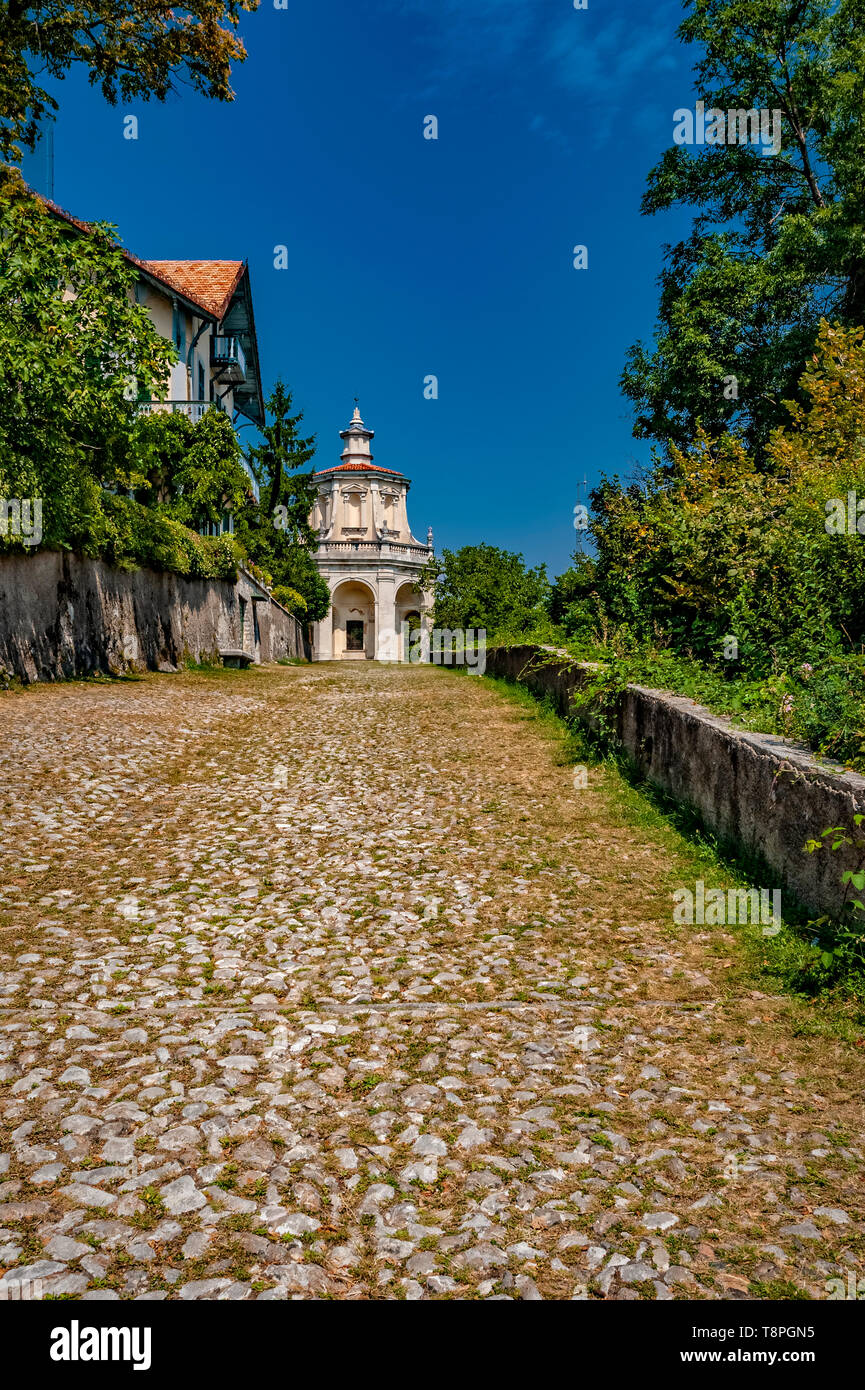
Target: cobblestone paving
325,981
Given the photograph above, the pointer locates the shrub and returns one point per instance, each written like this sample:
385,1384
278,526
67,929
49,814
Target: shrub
137,535
290,599
711,548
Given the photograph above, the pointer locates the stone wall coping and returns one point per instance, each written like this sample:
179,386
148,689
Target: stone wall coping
765,795
772,745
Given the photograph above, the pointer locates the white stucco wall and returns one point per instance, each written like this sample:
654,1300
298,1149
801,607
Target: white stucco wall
182,384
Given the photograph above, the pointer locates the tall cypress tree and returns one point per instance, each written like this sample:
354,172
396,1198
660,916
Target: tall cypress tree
290,495
276,531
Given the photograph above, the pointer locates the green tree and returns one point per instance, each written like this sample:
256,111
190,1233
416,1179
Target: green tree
135,49
297,571
208,478
573,603
717,542
276,530
778,240
160,443
73,348
287,495
481,586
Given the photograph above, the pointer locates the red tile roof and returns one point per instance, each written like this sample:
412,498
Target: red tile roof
358,468
209,283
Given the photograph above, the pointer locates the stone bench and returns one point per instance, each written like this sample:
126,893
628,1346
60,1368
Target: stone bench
235,657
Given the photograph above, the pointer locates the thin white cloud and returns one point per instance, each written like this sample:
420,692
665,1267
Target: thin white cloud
616,52
480,30
595,55
472,41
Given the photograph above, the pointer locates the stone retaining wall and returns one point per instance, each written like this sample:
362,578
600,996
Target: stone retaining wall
759,793
63,616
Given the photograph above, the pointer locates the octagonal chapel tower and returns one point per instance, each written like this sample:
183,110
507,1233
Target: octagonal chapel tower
368,556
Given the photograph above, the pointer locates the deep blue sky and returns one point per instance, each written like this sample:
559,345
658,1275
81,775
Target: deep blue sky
410,257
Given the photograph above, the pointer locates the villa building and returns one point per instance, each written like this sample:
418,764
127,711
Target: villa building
368,556
205,309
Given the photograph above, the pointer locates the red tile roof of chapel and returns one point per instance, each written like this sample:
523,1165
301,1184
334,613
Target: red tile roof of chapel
359,468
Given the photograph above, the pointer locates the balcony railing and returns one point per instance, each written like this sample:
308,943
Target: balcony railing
194,409
326,547
226,354
223,527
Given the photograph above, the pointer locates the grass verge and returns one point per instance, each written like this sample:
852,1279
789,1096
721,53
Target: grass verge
819,1002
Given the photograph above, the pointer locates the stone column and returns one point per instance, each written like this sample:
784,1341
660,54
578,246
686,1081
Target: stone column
387,638
323,634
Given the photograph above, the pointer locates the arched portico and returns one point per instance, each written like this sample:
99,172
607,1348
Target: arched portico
408,603
411,610
353,621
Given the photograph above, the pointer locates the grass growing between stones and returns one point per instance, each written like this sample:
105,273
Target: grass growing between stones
472,1054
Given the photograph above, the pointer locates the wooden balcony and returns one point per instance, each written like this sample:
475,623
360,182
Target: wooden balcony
227,357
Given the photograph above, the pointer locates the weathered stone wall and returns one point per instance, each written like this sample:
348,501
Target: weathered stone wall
760,793
63,616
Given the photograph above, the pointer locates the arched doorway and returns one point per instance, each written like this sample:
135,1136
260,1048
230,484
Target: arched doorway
408,611
353,617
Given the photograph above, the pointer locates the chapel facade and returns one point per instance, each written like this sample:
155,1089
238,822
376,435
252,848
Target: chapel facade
368,555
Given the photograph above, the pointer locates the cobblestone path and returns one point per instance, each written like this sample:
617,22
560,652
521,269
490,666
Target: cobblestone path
326,981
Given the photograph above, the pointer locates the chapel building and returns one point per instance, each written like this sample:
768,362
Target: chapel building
368,556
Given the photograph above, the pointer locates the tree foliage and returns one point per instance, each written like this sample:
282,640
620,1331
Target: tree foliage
286,494
778,241
481,586
192,470
73,346
276,530
135,49
715,544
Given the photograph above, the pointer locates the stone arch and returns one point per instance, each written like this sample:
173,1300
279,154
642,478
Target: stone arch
353,614
407,601
410,607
